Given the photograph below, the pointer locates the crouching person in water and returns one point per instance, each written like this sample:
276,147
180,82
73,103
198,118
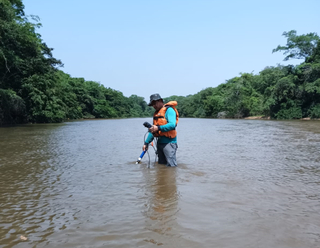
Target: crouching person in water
165,120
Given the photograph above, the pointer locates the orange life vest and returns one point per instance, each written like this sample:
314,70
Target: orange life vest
159,119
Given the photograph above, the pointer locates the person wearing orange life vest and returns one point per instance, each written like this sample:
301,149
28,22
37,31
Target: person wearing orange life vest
165,120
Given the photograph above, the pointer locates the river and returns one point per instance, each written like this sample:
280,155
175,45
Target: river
239,183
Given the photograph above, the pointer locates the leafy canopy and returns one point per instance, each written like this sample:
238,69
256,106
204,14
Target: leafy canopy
298,46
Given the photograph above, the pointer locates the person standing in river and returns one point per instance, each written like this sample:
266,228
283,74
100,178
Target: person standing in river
165,120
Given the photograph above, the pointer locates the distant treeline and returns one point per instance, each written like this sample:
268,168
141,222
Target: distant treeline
281,92
33,89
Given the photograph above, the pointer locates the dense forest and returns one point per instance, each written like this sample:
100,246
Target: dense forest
281,92
34,89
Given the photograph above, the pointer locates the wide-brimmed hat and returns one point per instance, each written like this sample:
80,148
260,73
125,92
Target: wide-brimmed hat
154,97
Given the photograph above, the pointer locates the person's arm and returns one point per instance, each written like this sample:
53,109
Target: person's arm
148,140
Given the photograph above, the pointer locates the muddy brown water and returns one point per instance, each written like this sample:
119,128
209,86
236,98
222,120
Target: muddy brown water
239,183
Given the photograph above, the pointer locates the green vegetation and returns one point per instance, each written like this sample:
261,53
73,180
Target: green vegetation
34,89
281,92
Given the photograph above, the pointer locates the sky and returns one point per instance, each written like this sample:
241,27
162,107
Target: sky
170,47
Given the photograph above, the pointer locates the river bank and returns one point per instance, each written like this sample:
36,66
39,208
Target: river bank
261,117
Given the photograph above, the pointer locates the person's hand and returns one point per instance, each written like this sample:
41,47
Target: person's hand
153,129
145,148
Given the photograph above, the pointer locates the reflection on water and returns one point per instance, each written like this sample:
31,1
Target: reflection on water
239,183
161,207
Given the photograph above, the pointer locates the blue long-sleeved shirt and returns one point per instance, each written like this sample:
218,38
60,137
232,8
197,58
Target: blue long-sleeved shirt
171,119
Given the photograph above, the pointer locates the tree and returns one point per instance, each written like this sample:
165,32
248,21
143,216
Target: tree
43,103
315,56
298,46
27,66
213,105
12,108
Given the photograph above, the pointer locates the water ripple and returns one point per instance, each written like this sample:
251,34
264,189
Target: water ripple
239,183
